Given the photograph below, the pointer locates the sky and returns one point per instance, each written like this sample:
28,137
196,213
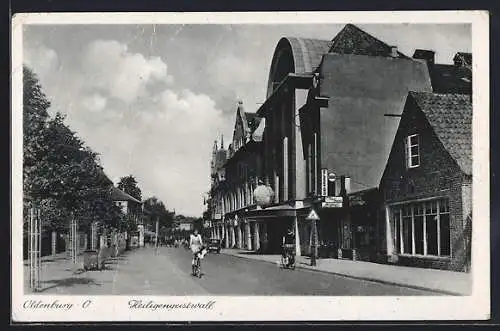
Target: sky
151,99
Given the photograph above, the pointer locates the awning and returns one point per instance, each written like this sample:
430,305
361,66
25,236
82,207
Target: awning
276,211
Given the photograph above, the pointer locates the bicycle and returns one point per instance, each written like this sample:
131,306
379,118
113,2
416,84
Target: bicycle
196,267
288,257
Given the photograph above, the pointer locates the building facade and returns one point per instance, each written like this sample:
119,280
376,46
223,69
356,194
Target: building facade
326,130
232,193
325,120
217,181
130,207
427,183
127,203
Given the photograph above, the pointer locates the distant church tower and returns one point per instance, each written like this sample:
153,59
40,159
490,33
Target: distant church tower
213,162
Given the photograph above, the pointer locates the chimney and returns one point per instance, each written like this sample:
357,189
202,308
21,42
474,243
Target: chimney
462,59
394,51
345,185
424,54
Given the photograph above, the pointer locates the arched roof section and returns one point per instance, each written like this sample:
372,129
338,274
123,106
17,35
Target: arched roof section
295,55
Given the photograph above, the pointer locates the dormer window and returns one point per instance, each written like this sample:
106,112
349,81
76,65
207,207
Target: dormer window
412,151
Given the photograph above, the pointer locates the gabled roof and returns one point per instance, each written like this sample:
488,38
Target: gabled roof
252,121
450,116
119,195
353,40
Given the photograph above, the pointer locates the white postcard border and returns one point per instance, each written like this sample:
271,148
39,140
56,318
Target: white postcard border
256,308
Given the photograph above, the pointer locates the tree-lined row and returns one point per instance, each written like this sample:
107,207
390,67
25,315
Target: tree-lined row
61,175
64,178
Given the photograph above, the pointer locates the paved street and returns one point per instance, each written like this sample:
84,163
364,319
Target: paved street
144,272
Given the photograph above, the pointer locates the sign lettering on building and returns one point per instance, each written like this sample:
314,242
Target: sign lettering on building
324,182
331,205
333,202
334,199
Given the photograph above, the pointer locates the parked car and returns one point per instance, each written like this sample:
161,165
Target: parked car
214,245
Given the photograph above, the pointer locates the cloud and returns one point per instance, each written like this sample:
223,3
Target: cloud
167,148
41,58
112,68
177,149
237,77
95,102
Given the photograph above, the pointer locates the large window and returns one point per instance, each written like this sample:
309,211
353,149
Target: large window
422,228
412,151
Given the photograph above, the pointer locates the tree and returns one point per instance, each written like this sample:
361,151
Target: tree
156,210
35,116
61,175
128,184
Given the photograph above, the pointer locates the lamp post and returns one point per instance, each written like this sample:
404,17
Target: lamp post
314,243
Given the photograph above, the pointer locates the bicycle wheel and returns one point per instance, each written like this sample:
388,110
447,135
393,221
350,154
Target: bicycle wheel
198,268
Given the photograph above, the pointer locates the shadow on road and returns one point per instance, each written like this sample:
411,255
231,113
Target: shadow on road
256,253
68,282
47,260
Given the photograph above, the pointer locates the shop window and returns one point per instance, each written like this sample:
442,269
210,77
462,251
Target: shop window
423,228
445,234
418,222
407,235
412,151
432,239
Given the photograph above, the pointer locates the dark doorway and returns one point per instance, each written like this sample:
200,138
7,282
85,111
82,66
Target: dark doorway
276,229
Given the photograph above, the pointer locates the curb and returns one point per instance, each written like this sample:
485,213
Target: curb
370,279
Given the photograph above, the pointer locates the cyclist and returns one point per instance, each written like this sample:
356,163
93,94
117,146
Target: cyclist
196,244
288,251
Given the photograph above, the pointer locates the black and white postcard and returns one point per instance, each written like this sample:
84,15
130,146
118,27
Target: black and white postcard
250,166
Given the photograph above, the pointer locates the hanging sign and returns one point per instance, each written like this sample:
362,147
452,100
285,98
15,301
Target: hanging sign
324,182
333,202
331,177
334,199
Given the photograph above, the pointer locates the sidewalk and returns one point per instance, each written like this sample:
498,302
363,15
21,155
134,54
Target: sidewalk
61,276
441,281
50,258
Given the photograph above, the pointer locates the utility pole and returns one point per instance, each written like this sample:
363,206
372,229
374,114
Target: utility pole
157,230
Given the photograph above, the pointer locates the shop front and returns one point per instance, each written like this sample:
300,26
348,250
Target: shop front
329,232
348,227
270,225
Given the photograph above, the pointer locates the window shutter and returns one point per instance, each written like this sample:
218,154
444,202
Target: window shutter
418,149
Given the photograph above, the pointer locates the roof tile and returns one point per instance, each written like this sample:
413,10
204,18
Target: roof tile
119,195
450,115
353,40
